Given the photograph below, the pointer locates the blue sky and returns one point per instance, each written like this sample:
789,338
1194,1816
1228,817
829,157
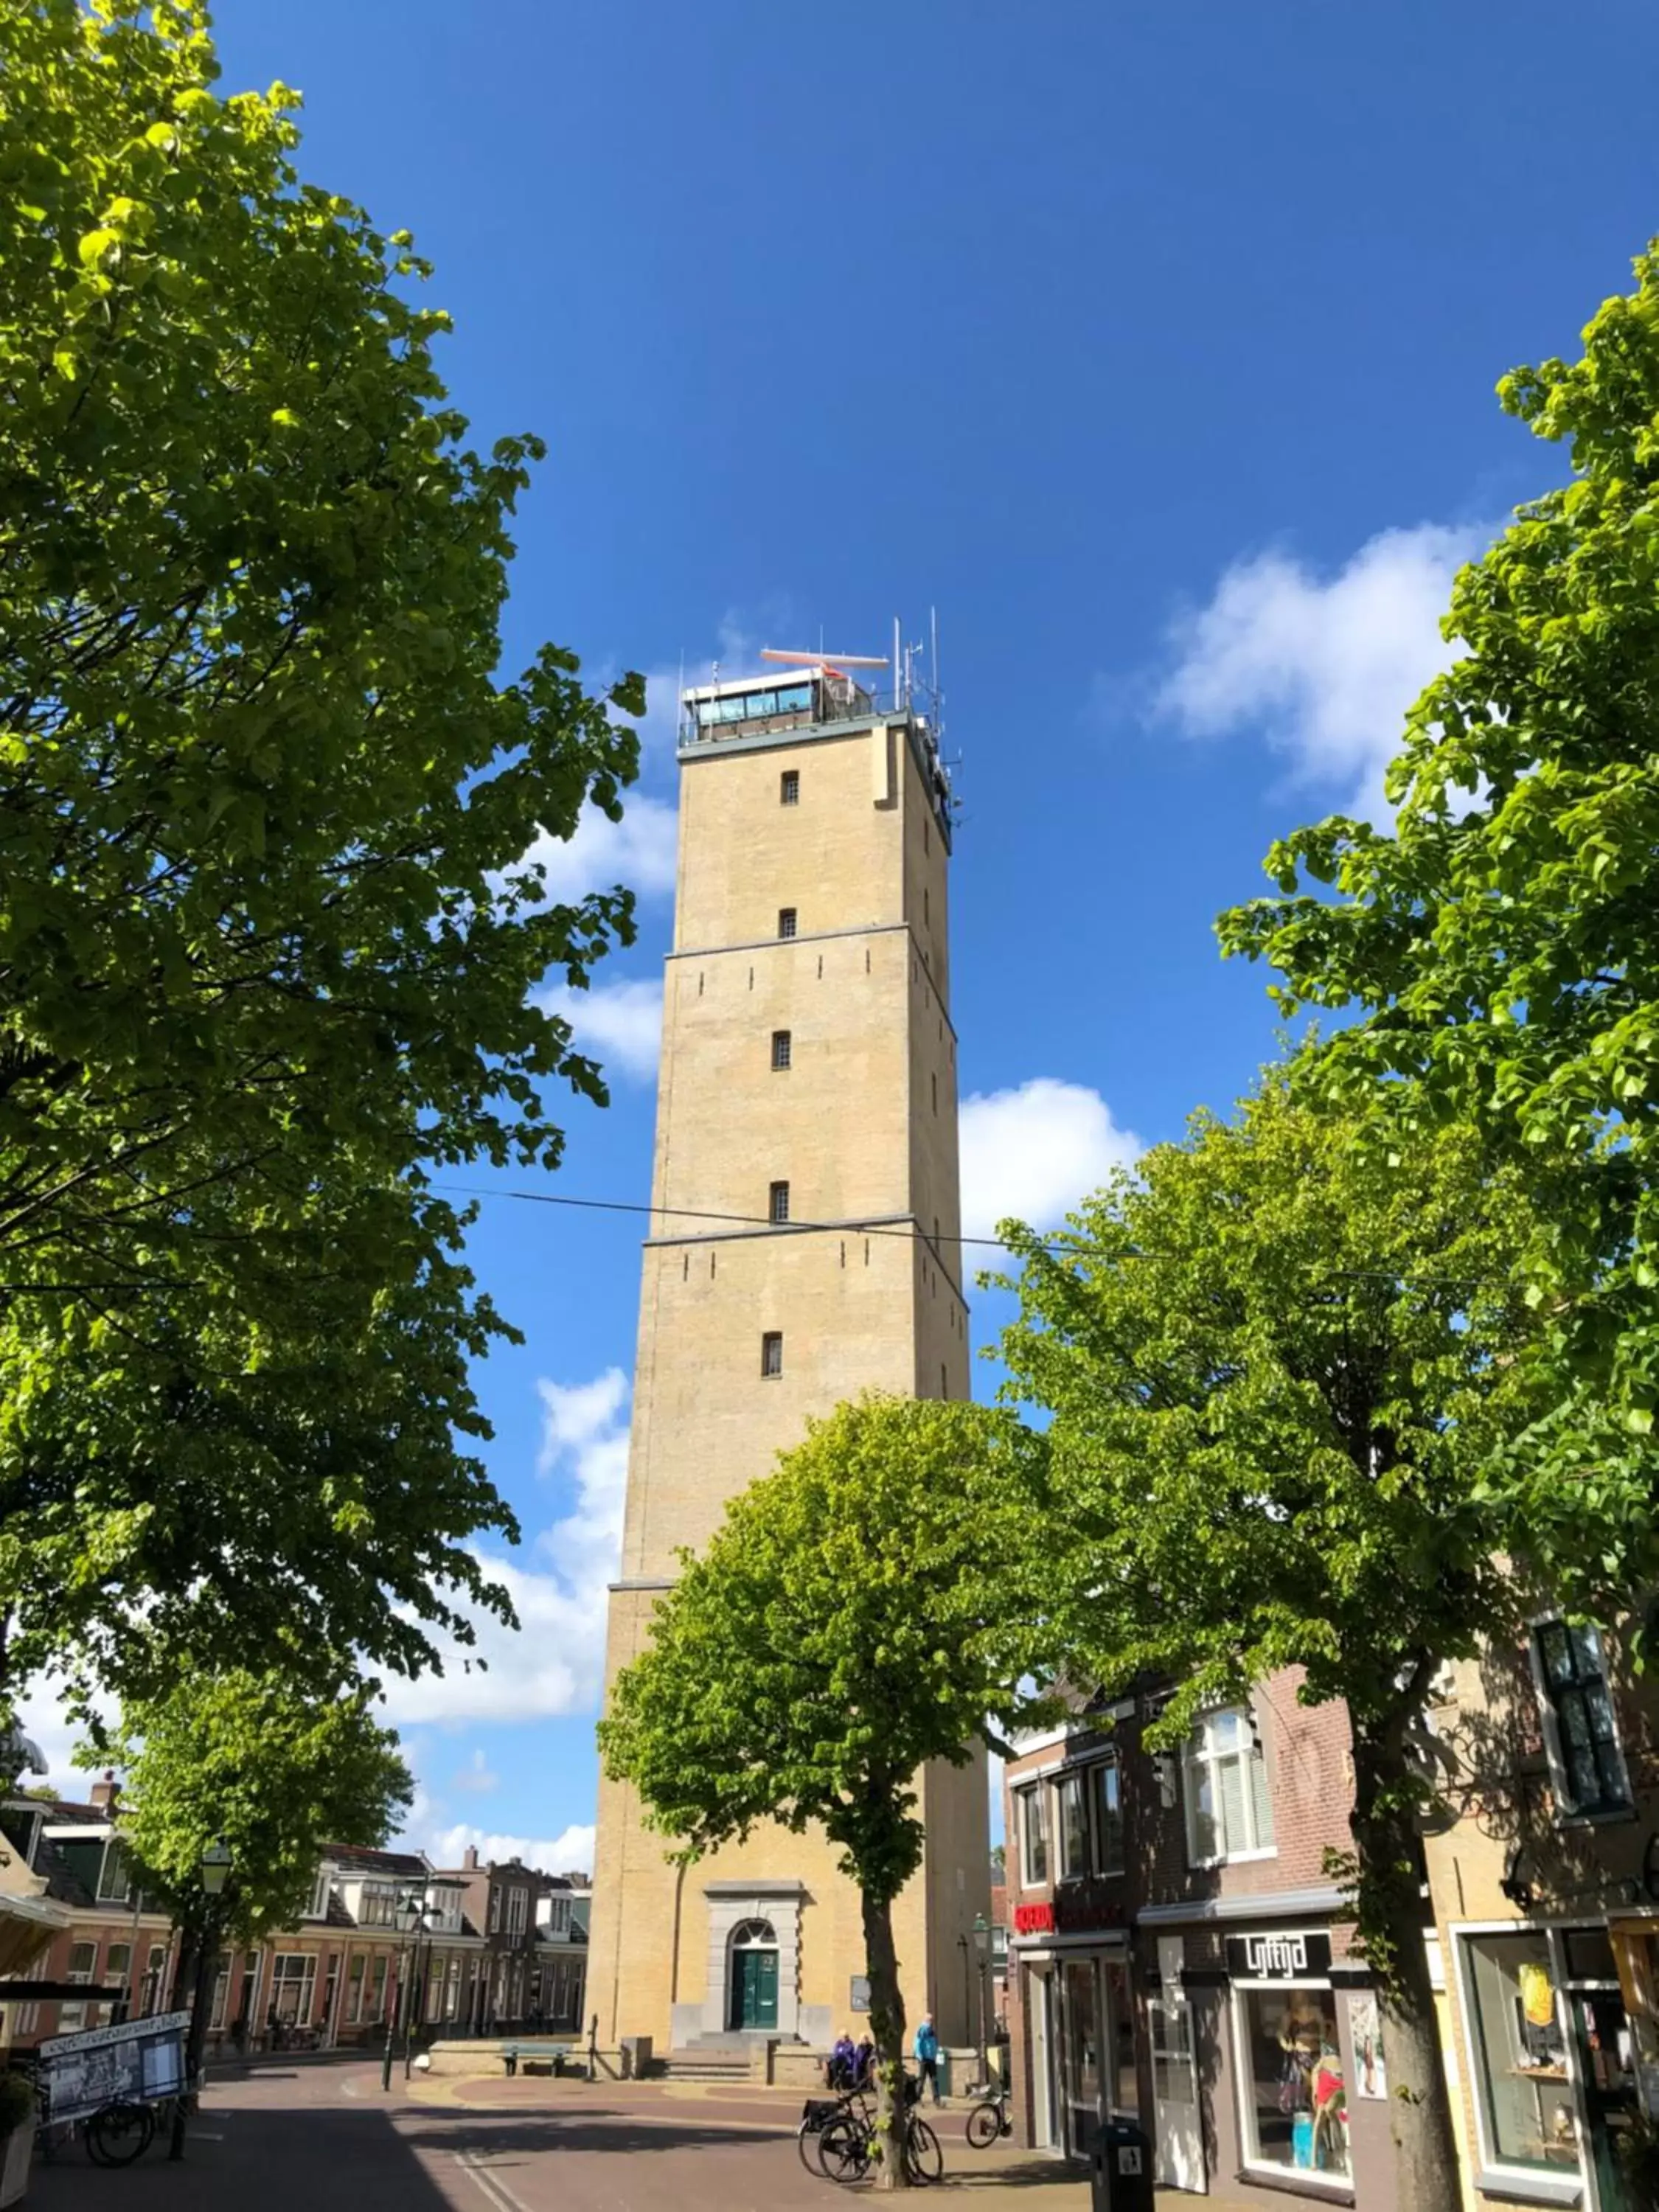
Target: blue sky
1154,346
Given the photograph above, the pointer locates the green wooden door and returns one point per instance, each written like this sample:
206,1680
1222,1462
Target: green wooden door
754,1989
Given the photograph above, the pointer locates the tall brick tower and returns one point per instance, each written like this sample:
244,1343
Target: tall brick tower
804,1251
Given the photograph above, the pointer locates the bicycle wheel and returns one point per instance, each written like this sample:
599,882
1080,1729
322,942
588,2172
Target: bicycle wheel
844,2150
923,2152
119,2132
807,2138
984,2126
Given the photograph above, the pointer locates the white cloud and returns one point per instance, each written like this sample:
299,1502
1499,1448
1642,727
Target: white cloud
1031,1153
42,1717
553,1662
638,852
475,1775
1327,666
619,1024
570,1852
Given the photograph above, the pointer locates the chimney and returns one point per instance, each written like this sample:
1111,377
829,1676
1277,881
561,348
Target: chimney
470,1858
104,1791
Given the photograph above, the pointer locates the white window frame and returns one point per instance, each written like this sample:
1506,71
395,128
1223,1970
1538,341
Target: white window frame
495,1910
1192,1759
518,1911
318,1909
1529,2184
1567,1812
305,1982
1029,1800
1308,2179
115,1865
72,2011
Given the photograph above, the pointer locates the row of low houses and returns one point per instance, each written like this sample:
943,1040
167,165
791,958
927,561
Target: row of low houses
501,1947
1178,1955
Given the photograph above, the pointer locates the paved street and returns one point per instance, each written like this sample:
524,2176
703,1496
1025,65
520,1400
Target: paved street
318,2137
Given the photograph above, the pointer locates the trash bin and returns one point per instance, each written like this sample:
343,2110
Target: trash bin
1120,2169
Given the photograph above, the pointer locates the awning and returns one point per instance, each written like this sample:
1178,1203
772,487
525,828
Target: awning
27,1925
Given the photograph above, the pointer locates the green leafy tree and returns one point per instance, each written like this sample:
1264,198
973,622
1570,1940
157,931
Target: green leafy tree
1500,945
865,1609
264,1766
1277,1365
269,915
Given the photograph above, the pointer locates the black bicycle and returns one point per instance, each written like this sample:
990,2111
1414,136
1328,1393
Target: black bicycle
989,2119
847,2143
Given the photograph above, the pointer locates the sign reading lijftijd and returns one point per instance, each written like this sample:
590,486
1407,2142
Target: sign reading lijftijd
1289,1956
141,2060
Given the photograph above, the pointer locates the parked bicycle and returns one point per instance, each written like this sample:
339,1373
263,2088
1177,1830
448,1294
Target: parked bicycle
989,2119
847,2141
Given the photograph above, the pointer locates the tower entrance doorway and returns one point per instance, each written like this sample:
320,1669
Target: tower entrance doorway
752,1981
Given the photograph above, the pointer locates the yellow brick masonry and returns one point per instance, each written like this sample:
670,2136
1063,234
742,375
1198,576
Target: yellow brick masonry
862,1126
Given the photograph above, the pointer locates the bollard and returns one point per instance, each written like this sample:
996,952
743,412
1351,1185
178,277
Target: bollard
1120,2169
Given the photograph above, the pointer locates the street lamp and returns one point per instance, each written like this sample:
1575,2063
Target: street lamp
213,1869
413,1912
982,1951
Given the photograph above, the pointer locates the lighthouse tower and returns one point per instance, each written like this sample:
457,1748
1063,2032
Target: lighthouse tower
802,1249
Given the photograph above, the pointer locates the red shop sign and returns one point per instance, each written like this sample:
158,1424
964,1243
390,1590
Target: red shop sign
1033,1919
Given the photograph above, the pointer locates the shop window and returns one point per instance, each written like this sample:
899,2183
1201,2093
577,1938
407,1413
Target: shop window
1108,1817
1033,1840
1520,2053
1293,2097
1073,1828
1228,1811
1580,1732
354,1989
293,1980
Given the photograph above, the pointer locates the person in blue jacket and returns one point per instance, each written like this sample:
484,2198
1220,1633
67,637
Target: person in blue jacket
926,2053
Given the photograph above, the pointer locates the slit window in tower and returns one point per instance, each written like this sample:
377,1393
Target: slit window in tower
786,922
780,1049
778,1208
789,787
771,1355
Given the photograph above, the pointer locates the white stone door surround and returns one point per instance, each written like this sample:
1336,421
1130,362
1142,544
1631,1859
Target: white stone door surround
730,1903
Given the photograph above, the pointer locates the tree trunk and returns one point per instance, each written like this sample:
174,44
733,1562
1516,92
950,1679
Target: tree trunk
887,2032
1392,1907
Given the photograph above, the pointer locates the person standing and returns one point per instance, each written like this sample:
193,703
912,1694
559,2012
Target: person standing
926,2053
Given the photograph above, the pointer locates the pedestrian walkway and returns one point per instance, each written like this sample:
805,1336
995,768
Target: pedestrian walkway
330,2139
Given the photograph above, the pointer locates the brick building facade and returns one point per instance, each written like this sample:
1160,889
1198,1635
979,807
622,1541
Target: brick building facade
480,1963
1178,1954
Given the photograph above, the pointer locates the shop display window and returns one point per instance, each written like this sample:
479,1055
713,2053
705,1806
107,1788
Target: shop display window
1520,2051
1294,2098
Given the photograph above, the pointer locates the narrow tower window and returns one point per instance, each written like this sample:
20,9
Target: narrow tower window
789,787
780,1049
924,903
934,1079
786,922
771,1355
778,1205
